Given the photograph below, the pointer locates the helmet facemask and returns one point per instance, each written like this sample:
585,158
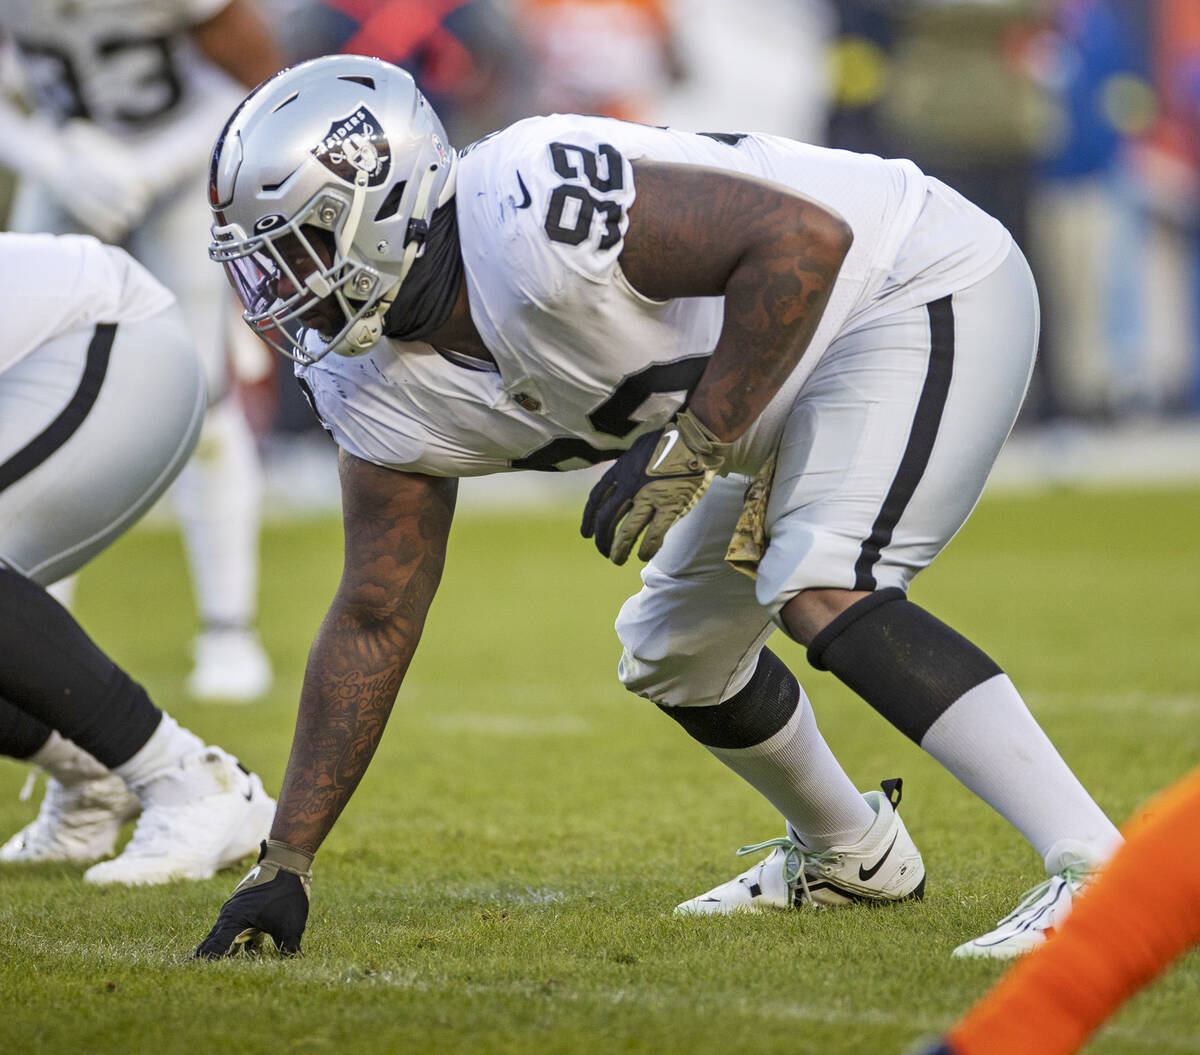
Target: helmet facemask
332,301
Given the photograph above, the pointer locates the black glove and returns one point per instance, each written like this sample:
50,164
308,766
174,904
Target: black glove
651,486
271,900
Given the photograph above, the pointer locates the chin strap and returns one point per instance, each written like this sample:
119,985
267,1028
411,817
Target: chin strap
368,330
345,235
418,226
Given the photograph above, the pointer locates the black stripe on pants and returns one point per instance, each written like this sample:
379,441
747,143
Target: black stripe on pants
926,422
63,427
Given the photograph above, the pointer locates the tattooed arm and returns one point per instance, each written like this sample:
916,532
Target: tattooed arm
396,526
773,254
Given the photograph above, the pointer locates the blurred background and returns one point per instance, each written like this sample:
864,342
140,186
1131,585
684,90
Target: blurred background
1075,122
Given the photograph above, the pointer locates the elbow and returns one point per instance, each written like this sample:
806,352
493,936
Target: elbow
810,240
843,238
829,235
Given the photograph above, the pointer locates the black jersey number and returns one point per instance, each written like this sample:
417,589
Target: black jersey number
572,206
614,416
155,87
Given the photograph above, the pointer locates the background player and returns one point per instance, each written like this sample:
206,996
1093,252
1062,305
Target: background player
101,400
126,101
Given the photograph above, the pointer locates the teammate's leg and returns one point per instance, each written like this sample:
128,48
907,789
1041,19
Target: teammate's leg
217,497
73,475
219,492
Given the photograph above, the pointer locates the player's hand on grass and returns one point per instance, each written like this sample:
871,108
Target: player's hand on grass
272,901
651,486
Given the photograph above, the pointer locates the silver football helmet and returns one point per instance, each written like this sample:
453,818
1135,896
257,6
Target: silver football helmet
322,186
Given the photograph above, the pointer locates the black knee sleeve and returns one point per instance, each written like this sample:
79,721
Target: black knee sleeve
53,672
756,713
905,663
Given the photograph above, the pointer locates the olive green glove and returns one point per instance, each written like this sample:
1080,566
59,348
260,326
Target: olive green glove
651,486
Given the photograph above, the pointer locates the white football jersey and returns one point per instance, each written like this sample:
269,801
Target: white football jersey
50,285
127,65
585,364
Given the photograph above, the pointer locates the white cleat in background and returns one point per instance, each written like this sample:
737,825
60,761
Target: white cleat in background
230,666
79,822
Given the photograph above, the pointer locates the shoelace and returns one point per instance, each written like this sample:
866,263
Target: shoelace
1072,875
795,861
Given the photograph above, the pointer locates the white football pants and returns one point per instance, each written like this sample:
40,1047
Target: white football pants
218,499
885,453
94,425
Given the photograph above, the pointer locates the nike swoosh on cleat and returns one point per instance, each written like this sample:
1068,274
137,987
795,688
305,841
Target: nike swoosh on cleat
670,437
866,873
525,202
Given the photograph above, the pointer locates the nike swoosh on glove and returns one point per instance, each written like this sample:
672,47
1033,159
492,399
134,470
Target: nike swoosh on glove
271,901
651,486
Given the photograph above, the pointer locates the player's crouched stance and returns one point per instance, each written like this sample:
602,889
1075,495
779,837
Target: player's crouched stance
719,315
101,399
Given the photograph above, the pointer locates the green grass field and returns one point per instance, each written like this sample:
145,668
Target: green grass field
503,880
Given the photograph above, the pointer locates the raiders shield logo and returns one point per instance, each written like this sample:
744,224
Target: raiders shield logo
356,144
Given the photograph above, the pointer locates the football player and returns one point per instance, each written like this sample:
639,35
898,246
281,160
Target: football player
818,353
101,401
126,102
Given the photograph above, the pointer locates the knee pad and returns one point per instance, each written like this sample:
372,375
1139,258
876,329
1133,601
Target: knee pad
752,715
907,664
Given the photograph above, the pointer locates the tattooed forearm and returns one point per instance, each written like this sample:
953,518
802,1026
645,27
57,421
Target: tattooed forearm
774,255
396,527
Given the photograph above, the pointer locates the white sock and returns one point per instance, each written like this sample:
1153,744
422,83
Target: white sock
167,744
988,739
66,761
797,773
218,497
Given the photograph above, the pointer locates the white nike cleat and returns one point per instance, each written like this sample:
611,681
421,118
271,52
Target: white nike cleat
200,815
231,666
884,865
79,822
1042,909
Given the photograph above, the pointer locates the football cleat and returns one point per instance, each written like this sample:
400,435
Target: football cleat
1041,910
883,866
230,667
79,822
204,813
